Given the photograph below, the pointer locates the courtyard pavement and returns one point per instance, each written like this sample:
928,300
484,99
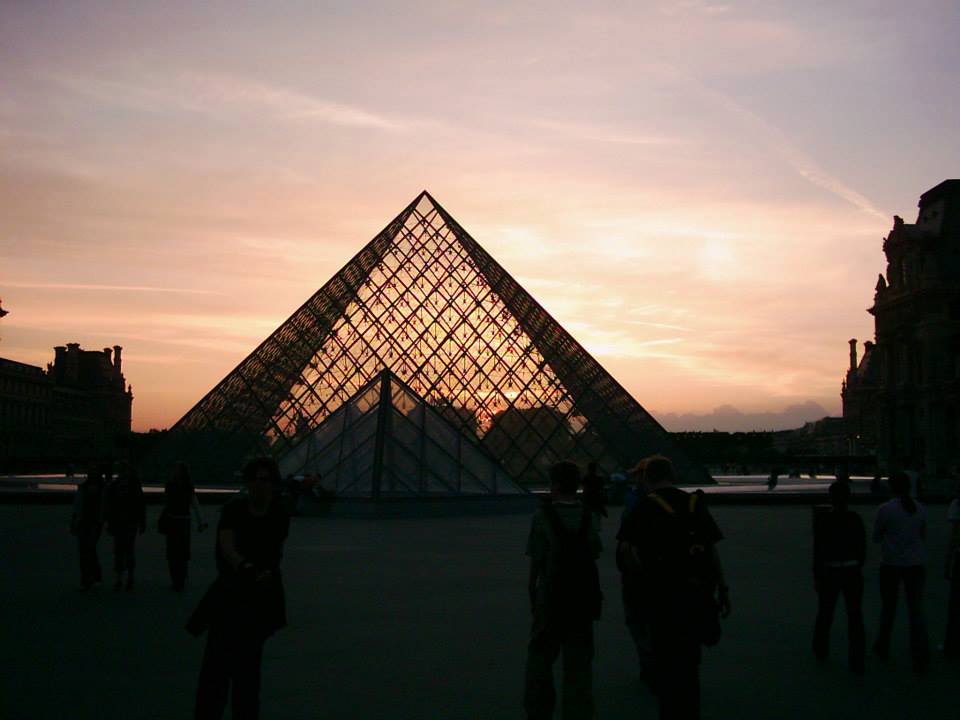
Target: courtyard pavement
428,618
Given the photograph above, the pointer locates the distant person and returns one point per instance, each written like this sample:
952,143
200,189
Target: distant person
901,530
565,599
839,551
87,524
126,516
636,611
673,539
594,498
179,501
951,642
246,603
773,479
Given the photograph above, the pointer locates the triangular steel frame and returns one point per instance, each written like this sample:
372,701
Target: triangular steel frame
426,301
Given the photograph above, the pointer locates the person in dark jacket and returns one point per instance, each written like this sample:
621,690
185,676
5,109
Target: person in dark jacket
246,603
839,550
560,528
87,524
673,600
179,501
126,515
636,609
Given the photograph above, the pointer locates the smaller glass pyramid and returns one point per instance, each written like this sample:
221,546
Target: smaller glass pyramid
387,441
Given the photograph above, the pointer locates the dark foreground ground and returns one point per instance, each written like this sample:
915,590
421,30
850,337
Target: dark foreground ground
427,618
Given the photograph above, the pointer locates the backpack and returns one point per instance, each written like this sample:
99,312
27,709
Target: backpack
681,557
676,552
574,588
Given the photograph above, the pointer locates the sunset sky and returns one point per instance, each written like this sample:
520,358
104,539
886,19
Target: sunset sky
696,190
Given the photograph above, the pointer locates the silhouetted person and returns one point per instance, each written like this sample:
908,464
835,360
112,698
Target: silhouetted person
773,479
594,498
839,551
636,609
245,604
951,641
901,530
87,524
179,501
126,515
673,539
564,599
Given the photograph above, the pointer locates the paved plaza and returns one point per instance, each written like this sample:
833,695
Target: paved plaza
427,618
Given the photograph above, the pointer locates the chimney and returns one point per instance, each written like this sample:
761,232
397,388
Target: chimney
116,358
107,352
853,355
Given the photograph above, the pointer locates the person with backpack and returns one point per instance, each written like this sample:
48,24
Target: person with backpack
839,551
565,599
672,540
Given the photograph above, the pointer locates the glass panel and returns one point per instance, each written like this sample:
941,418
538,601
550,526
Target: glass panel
405,432
442,466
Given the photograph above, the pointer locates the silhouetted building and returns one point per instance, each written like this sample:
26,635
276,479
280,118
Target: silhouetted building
73,411
903,396
26,394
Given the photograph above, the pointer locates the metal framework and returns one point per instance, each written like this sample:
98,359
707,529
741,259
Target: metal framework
426,302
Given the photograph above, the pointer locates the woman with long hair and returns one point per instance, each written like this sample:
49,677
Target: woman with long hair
901,530
179,500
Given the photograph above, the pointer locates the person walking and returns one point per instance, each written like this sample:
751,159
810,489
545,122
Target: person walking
86,524
636,611
246,604
839,551
565,599
126,516
179,500
673,538
951,642
901,528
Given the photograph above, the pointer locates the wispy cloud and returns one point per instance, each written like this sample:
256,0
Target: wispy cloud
603,134
805,165
661,326
218,94
107,288
292,104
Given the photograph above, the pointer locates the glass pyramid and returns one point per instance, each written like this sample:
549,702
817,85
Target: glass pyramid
387,441
425,301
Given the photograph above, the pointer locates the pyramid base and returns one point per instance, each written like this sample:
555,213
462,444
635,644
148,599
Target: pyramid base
418,506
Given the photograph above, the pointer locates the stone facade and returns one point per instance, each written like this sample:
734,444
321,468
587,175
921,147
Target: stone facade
902,398
73,411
